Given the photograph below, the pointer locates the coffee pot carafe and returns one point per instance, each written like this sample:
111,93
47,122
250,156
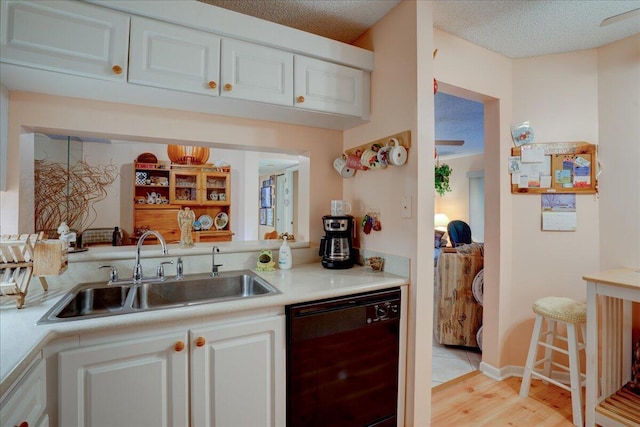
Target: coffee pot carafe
336,246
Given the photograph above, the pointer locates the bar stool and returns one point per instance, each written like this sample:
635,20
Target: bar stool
572,314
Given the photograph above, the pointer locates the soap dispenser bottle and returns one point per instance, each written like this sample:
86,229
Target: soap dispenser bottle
284,258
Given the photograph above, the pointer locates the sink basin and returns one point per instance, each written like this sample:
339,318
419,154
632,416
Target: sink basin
91,300
198,291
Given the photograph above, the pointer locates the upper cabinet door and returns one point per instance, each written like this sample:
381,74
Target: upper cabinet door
256,73
173,57
328,87
66,36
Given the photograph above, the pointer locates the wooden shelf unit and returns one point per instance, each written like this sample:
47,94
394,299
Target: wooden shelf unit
622,407
192,186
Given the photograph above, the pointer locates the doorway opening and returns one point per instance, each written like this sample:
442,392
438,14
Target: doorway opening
460,118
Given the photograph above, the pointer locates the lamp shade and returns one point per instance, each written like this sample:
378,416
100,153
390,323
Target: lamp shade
187,154
440,221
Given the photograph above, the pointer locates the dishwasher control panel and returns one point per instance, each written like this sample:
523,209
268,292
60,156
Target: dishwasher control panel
385,310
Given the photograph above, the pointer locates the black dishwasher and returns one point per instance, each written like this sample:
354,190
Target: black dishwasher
342,361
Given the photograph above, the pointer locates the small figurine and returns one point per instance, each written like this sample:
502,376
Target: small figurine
265,261
186,218
63,229
65,234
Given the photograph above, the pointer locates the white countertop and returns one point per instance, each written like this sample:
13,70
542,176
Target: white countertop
21,339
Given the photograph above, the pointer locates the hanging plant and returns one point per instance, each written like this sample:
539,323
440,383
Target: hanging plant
442,172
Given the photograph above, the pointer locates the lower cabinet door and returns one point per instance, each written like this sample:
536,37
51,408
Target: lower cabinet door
26,403
238,374
130,383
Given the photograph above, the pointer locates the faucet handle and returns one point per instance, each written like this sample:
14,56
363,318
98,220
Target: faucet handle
160,269
113,273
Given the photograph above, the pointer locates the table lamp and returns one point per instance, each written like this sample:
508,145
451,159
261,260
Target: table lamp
440,221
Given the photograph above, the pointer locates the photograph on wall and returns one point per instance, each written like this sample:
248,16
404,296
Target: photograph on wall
559,212
269,217
265,197
263,216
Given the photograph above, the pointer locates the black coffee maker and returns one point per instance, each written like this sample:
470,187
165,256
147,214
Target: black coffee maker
336,246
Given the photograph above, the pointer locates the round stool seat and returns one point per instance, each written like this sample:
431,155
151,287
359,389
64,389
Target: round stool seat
561,308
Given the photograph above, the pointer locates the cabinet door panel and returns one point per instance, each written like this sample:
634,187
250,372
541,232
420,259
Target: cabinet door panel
28,400
70,37
328,87
173,57
256,73
238,375
136,383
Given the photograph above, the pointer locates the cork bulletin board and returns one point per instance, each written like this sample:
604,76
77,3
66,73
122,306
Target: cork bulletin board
560,167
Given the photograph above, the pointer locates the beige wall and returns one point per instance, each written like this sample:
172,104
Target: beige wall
558,95
402,99
578,96
51,114
619,135
619,132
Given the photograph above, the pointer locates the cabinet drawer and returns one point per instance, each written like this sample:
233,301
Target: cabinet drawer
65,36
27,400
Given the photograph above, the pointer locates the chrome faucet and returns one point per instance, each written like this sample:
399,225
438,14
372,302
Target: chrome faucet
214,266
137,268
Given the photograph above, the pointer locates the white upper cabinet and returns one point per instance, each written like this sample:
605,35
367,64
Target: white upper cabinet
324,86
256,73
69,37
174,57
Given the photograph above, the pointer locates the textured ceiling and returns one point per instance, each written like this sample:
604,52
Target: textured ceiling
520,29
342,20
515,28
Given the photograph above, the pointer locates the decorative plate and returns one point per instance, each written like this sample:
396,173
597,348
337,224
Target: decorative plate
477,286
206,222
221,221
522,133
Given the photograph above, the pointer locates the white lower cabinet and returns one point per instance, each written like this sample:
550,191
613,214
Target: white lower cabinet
25,403
223,374
238,374
132,383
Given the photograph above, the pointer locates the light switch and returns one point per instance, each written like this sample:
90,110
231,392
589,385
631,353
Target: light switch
406,206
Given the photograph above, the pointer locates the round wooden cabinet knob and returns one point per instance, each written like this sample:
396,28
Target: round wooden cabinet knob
200,341
228,87
117,69
179,346
213,84
300,99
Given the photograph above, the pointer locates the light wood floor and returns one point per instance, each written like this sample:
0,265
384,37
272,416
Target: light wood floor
476,400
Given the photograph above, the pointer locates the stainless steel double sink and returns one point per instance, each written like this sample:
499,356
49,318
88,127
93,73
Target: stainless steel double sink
91,300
